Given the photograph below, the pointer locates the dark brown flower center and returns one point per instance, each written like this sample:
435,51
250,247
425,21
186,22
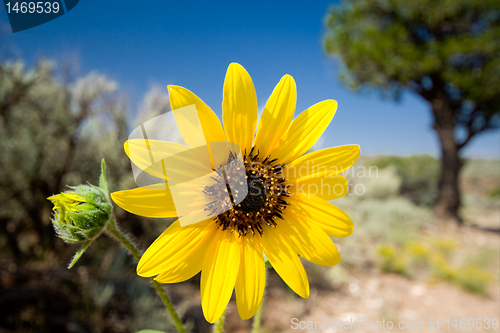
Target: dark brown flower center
257,194
264,202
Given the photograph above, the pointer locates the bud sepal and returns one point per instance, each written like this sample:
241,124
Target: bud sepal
82,214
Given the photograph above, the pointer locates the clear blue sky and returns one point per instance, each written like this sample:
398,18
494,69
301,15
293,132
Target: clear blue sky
192,43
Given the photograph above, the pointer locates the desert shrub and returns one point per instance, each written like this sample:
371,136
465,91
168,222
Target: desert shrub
486,256
419,253
495,193
435,257
381,215
419,176
385,185
445,246
391,259
474,279
337,275
54,130
395,220
481,176
442,269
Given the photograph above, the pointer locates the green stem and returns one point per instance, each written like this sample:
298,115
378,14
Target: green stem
257,319
219,324
114,230
168,304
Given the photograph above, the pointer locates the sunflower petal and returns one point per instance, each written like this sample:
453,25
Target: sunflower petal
324,187
277,115
190,266
175,249
329,161
251,279
212,128
304,131
148,154
239,107
334,221
219,274
310,240
150,201
282,254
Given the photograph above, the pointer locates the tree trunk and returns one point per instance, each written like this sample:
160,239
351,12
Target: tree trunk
448,201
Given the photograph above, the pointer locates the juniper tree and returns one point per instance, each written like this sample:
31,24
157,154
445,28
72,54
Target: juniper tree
445,51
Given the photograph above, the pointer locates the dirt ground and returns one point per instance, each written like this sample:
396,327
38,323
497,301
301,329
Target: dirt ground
376,296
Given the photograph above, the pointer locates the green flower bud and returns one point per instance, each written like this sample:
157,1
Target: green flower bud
81,214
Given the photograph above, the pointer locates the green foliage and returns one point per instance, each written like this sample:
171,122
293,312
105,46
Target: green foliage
469,277
267,262
446,51
81,250
442,269
419,176
419,253
434,257
54,132
80,214
103,182
445,246
55,129
380,215
474,279
391,260
495,193
385,184
484,257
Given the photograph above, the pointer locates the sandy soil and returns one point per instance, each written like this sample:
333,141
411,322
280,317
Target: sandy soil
376,296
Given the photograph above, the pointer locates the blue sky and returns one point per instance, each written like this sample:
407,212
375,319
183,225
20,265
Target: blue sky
192,43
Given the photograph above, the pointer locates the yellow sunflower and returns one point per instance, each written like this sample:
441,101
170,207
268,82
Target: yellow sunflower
295,222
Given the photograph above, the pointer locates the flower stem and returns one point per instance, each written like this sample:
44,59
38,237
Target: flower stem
114,230
168,304
257,319
219,324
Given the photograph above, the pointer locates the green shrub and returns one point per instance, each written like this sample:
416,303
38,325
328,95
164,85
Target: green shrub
419,176
483,258
419,252
385,185
474,279
495,193
395,220
391,260
443,270
435,259
445,246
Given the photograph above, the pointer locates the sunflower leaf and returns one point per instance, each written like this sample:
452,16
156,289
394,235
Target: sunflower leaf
79,253
103,183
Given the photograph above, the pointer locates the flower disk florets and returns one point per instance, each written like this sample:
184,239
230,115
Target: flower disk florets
264,202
